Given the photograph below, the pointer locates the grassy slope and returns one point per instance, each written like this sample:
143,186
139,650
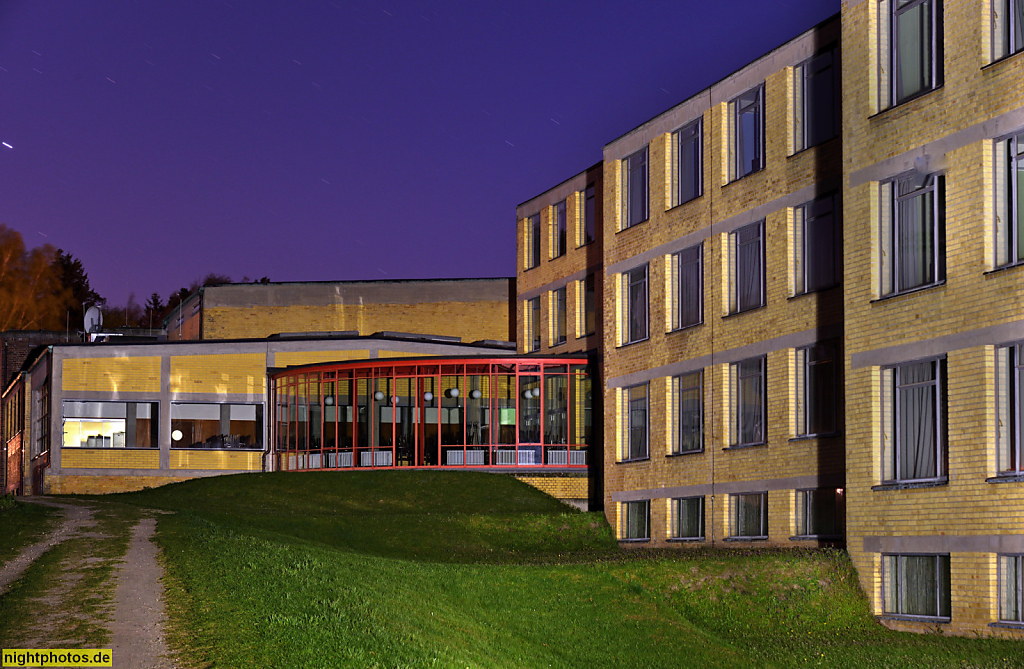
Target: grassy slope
457,569
23,524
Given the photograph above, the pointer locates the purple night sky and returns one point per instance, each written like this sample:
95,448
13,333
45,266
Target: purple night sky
160,141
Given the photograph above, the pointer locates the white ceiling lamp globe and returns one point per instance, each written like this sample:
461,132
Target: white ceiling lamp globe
176,435
379,396
428,396
454,392
475,394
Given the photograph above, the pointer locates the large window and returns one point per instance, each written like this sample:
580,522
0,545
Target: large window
110,424
634,423
532,241
686,163
819,513
1011,588
748,516
912,235
587,309
747,145
816,386
558,230
749,404
586,217
634,189
910,49
558,317
913,422
217,425
532,329
634,303
1007,27
688,404
635,524
816,87
687,518
687,291
1010,375
746,257
1009,178
916,585
816,237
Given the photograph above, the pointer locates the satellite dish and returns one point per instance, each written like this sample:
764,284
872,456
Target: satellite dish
93,319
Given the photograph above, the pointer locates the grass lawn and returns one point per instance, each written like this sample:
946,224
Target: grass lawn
409,569
23,524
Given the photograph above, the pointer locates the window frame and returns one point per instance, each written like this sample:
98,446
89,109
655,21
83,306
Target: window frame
630,279
1011,25
809,224
804,390
1009,409
640,161
933,189
559,229
1018,590
696,382
803,73
627,452
942,569
892,451
736,424
626,528
259,422
531,308
127,436
738,140
1009,196
587,310
735,516
533,246
675,508
559,317
586,215
678,286
740,271
692,132
805,513
889,31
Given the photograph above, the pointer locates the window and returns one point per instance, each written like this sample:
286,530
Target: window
532,241
1007,27
587,214
634,189
532,317
558,230
916,585
910,49
819,513
816,385
634,300
816,86
913,422
558,311
1011,588
687,288
1009,175
587,292
1009,375
686,162
748,392
912,237
687,392
216,425
746,258
747,115
634,424
748,516
110,424
816,235
687,518
636,521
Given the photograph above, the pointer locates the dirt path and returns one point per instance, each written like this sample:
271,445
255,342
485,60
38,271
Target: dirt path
137,628
75,518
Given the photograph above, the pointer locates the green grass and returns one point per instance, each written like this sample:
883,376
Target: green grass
409,569
22,525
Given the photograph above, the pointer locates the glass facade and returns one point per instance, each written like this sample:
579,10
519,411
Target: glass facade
433,413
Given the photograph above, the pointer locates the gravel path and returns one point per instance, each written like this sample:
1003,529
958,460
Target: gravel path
75,518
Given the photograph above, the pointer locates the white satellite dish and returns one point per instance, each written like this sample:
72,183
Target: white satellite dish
93,320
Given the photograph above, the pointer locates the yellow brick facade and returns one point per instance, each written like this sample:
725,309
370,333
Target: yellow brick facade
311,357
111,458
239,373
559,487
217,460
103,485
137,374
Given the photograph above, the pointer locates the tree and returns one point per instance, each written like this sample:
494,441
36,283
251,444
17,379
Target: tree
31,294
73,277
154,310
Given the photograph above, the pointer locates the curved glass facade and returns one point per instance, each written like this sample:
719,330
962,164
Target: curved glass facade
433,412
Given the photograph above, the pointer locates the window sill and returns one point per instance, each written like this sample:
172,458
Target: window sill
909,291
630,227
680,540
683,204
1006,478
584,336
632,460
1005,624
813,291
680,454
903,103
817,537
759,170
558,343
235,450
812,146
634,541
560,255
745,311
931,483
913,619
823,435
1008,266
635,341
109,448
686,327
585,244
765,538
740,447
1001,60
